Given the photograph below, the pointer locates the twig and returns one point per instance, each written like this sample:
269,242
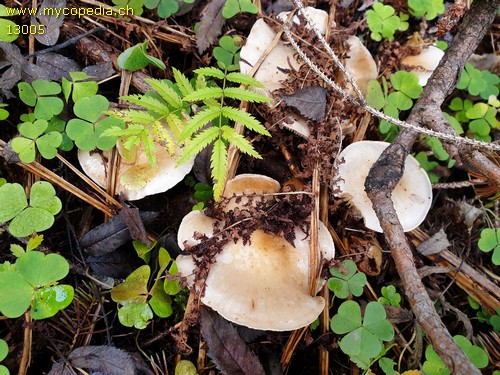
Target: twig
387,171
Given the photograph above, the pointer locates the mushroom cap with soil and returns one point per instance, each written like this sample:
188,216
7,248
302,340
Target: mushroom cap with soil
424,63
360,64
137,179
412,196
262,284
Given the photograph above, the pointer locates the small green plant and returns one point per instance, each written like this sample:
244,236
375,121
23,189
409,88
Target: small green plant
405,88
87,130
7,27
233,7
34,136
3,112
32,282
136,57
80,86
428,8
202,192
364,335
490,240
137,300
135,5
483,316
479,82
28,219
216,112
434,365
390,297
41,94
383,22
346,280
184,367
4,351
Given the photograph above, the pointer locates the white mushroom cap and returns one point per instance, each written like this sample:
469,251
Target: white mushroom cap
424,63
412,196
138,179
360,64
272,71
248,183
262,285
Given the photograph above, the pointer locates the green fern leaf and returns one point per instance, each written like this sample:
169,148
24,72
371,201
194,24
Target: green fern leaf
210,72
166,92
243,79
148,102
198,121
115,131
237,139
175,124
218,163
134,116
245,95
164,137
198,143
200,83
237,115
204,94
149,147
182,82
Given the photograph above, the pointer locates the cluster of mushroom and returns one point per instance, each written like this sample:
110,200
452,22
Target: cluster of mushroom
264,283
272,71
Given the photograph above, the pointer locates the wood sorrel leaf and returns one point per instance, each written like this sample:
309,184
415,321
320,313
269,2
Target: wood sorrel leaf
48,301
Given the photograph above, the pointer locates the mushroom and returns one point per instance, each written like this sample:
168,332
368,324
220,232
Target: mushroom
424,63
412,196
136,177
264,283
360,64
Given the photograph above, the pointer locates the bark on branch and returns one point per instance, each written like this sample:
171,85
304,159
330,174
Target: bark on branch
387,171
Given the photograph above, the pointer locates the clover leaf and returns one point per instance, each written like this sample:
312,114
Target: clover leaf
227,54
346,280
41,95
29,282
479,82
434,365
34,135
390,296
86,131
4,350
165,8
383,23
79,87
135,314
48,301
134,288
408,88
233,7
490,240
428,8
35,217
3,112
7,28
364,336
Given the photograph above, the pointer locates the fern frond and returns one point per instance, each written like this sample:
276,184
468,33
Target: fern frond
210,72
245,95
198,121
137,117
182,82
116,131
201,82
198,143
241,143
166,92
245,119
205,94
218,163
175,124
149,147
243,79
164,137
148,102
